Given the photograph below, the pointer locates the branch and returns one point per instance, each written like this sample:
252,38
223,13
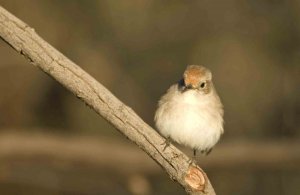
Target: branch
25,41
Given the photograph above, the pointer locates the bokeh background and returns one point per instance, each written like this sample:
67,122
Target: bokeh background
51,143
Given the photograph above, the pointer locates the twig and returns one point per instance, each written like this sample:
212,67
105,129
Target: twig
24,40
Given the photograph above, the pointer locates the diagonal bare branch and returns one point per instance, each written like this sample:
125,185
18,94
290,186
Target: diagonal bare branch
41,54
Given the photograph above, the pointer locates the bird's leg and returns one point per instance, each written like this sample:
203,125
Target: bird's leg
166,143
208,151
193,160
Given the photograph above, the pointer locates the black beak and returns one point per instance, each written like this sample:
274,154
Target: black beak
187,87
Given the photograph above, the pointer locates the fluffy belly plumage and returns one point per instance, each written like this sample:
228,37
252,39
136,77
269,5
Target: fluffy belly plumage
195,126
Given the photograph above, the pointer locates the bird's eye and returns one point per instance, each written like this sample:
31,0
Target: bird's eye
202,85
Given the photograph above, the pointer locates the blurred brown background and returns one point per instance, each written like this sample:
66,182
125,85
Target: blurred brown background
51,143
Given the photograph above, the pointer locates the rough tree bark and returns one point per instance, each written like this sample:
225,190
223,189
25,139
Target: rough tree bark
24,40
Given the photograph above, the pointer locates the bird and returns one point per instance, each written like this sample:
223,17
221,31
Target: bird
191,112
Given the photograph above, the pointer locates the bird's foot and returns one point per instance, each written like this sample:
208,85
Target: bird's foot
166,143
192,161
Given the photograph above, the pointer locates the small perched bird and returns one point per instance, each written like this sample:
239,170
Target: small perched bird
191,112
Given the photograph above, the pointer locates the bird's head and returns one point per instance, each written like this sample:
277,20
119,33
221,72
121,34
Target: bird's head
197,77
